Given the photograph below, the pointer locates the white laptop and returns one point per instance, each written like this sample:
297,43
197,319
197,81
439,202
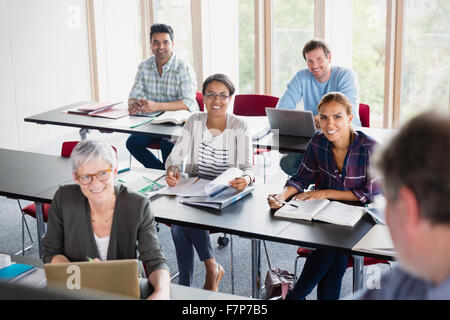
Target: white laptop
112,276
299,123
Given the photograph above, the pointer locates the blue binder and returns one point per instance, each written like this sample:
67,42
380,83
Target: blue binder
15,271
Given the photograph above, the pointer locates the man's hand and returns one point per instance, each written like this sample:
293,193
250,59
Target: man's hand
134,106
148,106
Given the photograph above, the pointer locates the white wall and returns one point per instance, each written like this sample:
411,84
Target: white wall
45,64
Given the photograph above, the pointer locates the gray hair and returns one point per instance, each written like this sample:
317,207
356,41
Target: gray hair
92,150
418,157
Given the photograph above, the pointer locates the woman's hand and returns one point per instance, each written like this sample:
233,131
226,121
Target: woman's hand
172,176
240,183
310,195
272,199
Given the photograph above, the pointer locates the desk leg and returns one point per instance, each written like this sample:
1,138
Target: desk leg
40,225
256,268
83,133
358,265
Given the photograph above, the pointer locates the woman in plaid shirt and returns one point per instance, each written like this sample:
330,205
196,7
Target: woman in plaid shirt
337,161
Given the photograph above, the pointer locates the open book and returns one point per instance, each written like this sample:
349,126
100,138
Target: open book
322,209
176,117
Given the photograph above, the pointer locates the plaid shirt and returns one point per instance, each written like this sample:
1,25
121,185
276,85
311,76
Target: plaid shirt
318,165
176,83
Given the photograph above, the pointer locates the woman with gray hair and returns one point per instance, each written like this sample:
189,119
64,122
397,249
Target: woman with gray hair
94,218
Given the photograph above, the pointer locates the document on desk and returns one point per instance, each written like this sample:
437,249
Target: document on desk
131,121
195,187
144,181
377,240
187,187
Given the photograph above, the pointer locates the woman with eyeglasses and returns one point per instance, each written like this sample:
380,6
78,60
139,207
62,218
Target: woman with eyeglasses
212,142
96,218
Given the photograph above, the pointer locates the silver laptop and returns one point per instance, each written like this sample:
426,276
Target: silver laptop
112,276
299,123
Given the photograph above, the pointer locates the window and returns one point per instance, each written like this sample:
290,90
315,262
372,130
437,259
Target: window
293,26
119,47
369,46
246,18
177,14
426,57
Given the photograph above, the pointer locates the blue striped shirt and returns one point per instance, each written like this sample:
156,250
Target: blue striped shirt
177,82
318,165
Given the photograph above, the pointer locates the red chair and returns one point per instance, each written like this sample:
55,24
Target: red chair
254,105
304,253
364,115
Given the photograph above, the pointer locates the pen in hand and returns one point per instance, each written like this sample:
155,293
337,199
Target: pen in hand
283,202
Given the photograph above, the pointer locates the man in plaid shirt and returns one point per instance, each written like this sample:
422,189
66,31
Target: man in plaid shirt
163,82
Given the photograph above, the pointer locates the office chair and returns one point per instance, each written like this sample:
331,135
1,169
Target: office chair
66,150
364,115
254,105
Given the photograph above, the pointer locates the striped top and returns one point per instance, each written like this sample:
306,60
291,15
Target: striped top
319,167
177,82
213,155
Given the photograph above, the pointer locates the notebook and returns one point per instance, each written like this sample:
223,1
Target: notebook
323,210
299,123
15,271
112,276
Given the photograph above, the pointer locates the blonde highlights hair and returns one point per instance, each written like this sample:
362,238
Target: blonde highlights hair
337,97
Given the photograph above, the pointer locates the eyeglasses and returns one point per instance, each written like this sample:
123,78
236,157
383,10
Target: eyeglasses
211,96
101,175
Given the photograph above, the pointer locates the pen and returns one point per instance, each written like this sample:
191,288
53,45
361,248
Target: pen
123,170
284,202
196,180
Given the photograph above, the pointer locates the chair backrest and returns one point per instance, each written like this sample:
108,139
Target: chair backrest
253,104
67,148
364,115
199,98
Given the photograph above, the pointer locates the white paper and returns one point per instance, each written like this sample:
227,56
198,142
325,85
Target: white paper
223,180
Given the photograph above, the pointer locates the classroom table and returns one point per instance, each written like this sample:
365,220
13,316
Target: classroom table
170,131
164,130
250,217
